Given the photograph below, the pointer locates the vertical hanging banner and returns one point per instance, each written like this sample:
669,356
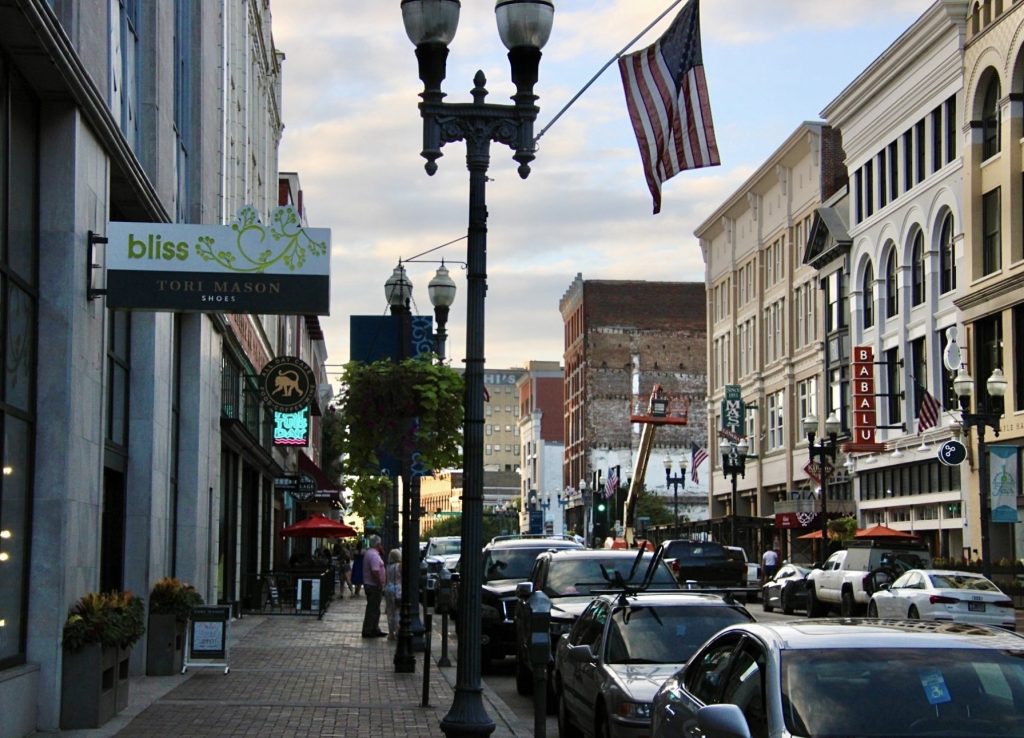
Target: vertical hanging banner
734,413
1004,483
864,422
247,267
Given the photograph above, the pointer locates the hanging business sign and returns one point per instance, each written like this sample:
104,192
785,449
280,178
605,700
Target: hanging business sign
246,267
292,429
864,419
287,384
300,486
734,414
1004,483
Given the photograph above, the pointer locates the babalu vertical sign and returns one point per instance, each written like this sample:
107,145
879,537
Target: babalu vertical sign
245,267
864,422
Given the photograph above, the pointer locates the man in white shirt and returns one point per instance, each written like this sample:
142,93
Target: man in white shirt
770,563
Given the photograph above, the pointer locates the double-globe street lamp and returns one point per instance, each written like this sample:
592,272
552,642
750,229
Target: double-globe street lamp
734,464
963,385
675,483
398,290
524,27
823,454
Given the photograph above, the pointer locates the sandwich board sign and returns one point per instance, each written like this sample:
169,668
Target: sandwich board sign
206,638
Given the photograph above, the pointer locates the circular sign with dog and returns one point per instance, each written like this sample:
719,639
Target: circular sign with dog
287,384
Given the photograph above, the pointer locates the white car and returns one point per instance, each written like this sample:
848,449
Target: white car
940,594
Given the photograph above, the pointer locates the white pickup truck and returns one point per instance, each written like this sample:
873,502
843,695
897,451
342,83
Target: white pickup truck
848,578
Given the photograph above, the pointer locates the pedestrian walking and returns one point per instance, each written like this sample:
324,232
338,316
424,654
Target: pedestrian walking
345,567
393,591
374,579
357,570
770,563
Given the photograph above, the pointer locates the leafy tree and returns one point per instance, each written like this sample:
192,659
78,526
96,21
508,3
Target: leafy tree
332,435
369,496
842,529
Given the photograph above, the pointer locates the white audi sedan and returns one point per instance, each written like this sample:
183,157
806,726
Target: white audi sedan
939,594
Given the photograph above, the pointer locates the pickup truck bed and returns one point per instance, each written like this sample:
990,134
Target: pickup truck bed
705,563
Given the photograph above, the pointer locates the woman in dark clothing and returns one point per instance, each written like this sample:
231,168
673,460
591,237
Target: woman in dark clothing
357,570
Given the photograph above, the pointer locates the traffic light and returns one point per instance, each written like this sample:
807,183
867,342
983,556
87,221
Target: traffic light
601,507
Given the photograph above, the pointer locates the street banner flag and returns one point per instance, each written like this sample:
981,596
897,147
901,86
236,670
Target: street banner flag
697,457
667,97
612,482
928,413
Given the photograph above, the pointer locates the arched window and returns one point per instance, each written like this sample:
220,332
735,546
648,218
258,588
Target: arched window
976,19
947,257
917,270
868,291
990,143
892,302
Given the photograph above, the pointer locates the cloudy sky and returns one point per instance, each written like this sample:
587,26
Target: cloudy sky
353,134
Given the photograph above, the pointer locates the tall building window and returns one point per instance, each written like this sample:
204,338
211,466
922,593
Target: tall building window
892,300
918,371
883,181
919,151
908,160
917,269
937,139
947,256
776,434
894,171
182,103
858,196
990,119
1017,381
868,292
835,297
124,86
893,386
869,189
991,245
807,397
949,109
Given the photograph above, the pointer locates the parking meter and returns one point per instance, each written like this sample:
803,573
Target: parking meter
430,592
444,592
539,605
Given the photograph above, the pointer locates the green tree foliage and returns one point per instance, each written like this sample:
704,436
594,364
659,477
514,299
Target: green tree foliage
369,496
842,529
332,445
494,525
398,408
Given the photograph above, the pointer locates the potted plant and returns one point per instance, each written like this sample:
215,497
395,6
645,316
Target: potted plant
99,632
170,603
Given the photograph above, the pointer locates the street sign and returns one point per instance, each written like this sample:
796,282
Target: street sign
814,471
952,453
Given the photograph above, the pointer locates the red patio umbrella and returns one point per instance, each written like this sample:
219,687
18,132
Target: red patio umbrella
319,525
812,534
882,531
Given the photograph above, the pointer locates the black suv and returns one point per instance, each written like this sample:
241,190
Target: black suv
705,562
508,560
571,579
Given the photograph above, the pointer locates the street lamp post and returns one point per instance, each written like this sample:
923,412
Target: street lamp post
734,464
824,454
963,385
398,289
675,483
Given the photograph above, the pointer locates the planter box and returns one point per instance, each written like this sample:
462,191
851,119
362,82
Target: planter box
121,678
89,686
165,642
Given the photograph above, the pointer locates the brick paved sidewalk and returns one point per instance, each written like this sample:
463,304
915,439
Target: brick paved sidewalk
299,676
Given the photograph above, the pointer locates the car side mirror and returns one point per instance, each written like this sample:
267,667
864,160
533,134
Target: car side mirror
884,586
722,721
581,654
524,590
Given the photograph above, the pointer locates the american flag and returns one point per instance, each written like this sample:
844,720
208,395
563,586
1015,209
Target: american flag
667,97
612,483
697,457
928,413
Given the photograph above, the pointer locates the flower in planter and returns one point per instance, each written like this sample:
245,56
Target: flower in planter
110,618
171,596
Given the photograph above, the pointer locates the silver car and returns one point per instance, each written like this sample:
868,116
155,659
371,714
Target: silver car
864,678
621,649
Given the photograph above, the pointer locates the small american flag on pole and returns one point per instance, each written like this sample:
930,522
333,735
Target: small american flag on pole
667,98
928,413
697,457
612,483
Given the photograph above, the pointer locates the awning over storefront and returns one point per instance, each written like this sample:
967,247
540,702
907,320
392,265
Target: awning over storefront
326,490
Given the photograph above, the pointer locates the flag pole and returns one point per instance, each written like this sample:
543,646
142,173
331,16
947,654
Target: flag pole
602,71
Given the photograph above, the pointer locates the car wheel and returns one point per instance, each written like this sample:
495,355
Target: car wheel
524,679
847,605
565,727
872,609
602,729
913,614
815,609
787,603
766,602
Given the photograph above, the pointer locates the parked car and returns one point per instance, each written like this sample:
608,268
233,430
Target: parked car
940,594
753,582
705,563
571,579
507,561
849,577
865,678
622,648
787,590
445,549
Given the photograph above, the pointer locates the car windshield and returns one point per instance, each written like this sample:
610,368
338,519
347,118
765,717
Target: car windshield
664,634
444,548
903,692
509,563
962,581
694,551
568,577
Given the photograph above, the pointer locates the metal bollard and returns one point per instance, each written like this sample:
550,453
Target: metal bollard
445,605
429,602
540,654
